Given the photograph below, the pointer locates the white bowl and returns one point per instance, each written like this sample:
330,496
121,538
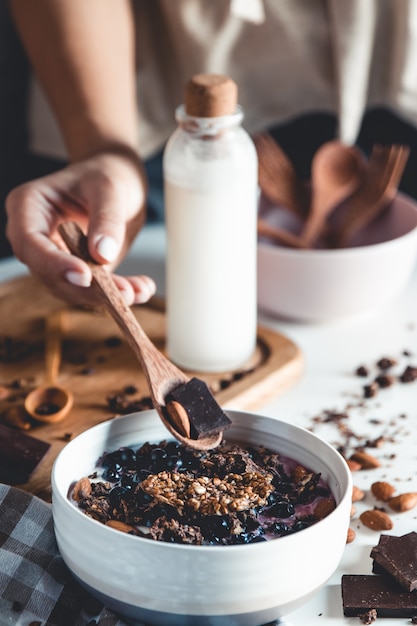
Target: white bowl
319,285
172,584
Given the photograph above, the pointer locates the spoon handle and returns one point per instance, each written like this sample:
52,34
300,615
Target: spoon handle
53,332
161,374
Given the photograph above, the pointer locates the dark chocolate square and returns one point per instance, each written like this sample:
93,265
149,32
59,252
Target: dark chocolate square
361,593
19,455
398,557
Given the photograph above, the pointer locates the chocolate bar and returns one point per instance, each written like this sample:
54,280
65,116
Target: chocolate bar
398,557
19,455
205,415
361,593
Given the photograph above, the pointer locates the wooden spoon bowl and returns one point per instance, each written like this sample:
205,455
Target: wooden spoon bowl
337,170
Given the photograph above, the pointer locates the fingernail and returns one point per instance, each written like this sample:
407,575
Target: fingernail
107,248
145,293
80,280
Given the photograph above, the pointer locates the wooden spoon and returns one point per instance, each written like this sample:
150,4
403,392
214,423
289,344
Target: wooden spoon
50,402
336,173
163,377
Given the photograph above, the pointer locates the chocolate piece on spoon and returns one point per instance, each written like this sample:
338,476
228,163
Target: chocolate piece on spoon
163,377
204,414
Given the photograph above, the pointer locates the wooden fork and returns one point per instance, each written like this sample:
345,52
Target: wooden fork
380,184
278,178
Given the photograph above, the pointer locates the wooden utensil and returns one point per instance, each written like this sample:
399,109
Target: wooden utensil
163,377
278,178
50,402
279,235
336,172
378,188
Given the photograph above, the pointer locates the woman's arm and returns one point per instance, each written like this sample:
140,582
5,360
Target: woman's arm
82,51
83,54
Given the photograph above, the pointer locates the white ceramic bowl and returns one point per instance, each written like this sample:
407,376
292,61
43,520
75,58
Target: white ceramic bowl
185,585
320,285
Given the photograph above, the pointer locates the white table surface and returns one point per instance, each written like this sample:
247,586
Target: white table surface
332,353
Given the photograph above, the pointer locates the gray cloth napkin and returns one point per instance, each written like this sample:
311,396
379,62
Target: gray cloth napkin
36,587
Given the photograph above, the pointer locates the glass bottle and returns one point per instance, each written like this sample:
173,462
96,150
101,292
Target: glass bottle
210,188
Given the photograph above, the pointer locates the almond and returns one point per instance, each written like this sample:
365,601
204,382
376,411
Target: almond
179,417
350,535
403,502
365,460
376,520
82,489
16,417
357,494
324,507
354,466
124,528
382,490
299,473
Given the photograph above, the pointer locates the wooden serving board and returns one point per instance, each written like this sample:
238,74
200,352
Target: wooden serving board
98,364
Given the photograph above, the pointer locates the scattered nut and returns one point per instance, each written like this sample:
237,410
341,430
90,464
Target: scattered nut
403,502
16,417
365,460
357,494
351,535
354,466
376,520
382,490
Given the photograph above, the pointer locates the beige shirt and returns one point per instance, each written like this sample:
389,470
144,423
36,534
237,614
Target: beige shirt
288,58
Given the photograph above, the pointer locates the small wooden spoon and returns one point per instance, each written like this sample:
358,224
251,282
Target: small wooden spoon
163,377
50,402
336,173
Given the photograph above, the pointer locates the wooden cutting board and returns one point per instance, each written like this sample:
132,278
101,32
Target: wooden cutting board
102,371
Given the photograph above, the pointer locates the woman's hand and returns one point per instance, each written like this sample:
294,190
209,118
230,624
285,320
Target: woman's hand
105,194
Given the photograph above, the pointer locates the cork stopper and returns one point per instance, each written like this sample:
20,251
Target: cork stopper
210,95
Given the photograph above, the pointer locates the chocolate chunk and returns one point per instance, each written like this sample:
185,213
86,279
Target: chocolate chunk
19,455
205,415
362,371
369,617
370,391
386,362
384,380
409,375
398,557
363,593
